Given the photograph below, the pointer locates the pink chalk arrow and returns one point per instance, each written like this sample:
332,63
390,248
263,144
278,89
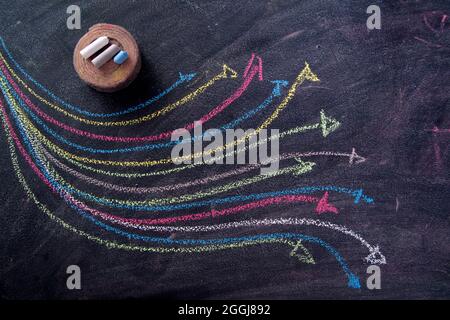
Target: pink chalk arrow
323,205
437,130
250,63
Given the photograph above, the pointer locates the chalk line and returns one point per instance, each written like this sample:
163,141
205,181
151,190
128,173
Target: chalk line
353,158
226,73
353,281
358,194
303,75
326,124
23,103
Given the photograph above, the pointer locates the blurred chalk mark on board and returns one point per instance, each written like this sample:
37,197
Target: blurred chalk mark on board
437,32
436,148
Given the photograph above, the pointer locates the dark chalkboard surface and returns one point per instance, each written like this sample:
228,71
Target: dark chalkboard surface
388,89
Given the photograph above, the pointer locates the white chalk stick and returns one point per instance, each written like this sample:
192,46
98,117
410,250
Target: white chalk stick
94,47
105,56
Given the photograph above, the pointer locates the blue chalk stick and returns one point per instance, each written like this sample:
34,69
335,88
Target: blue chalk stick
121,57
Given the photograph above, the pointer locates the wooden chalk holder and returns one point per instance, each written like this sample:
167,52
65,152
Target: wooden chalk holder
110,77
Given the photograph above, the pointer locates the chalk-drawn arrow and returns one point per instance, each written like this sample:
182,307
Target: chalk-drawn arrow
88,134
305,74
297,169
201,245
358,194
226,73
322,126
305,256
324,206
275,92
144,223
182,78
353,280
157,224
357,159
279,84
326,124
26,104
374,256
250,63
353,158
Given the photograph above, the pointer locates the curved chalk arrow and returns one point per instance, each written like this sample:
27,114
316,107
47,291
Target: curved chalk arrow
300,129
24,102
227,72
149,223
251,180
358,194
326,124
353,158
275,93
305,74
210,245
182,78
374,257
305,256
298,169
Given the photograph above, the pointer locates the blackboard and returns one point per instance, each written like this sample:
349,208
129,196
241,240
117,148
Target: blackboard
388,88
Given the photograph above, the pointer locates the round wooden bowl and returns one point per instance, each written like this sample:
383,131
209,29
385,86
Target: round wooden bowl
111,76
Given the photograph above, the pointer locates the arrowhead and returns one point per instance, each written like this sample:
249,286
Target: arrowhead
375,256
302,166
228,72
355,158
327,124
304,256
187,77
323,205
358,195
308,74
279,84
249,65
